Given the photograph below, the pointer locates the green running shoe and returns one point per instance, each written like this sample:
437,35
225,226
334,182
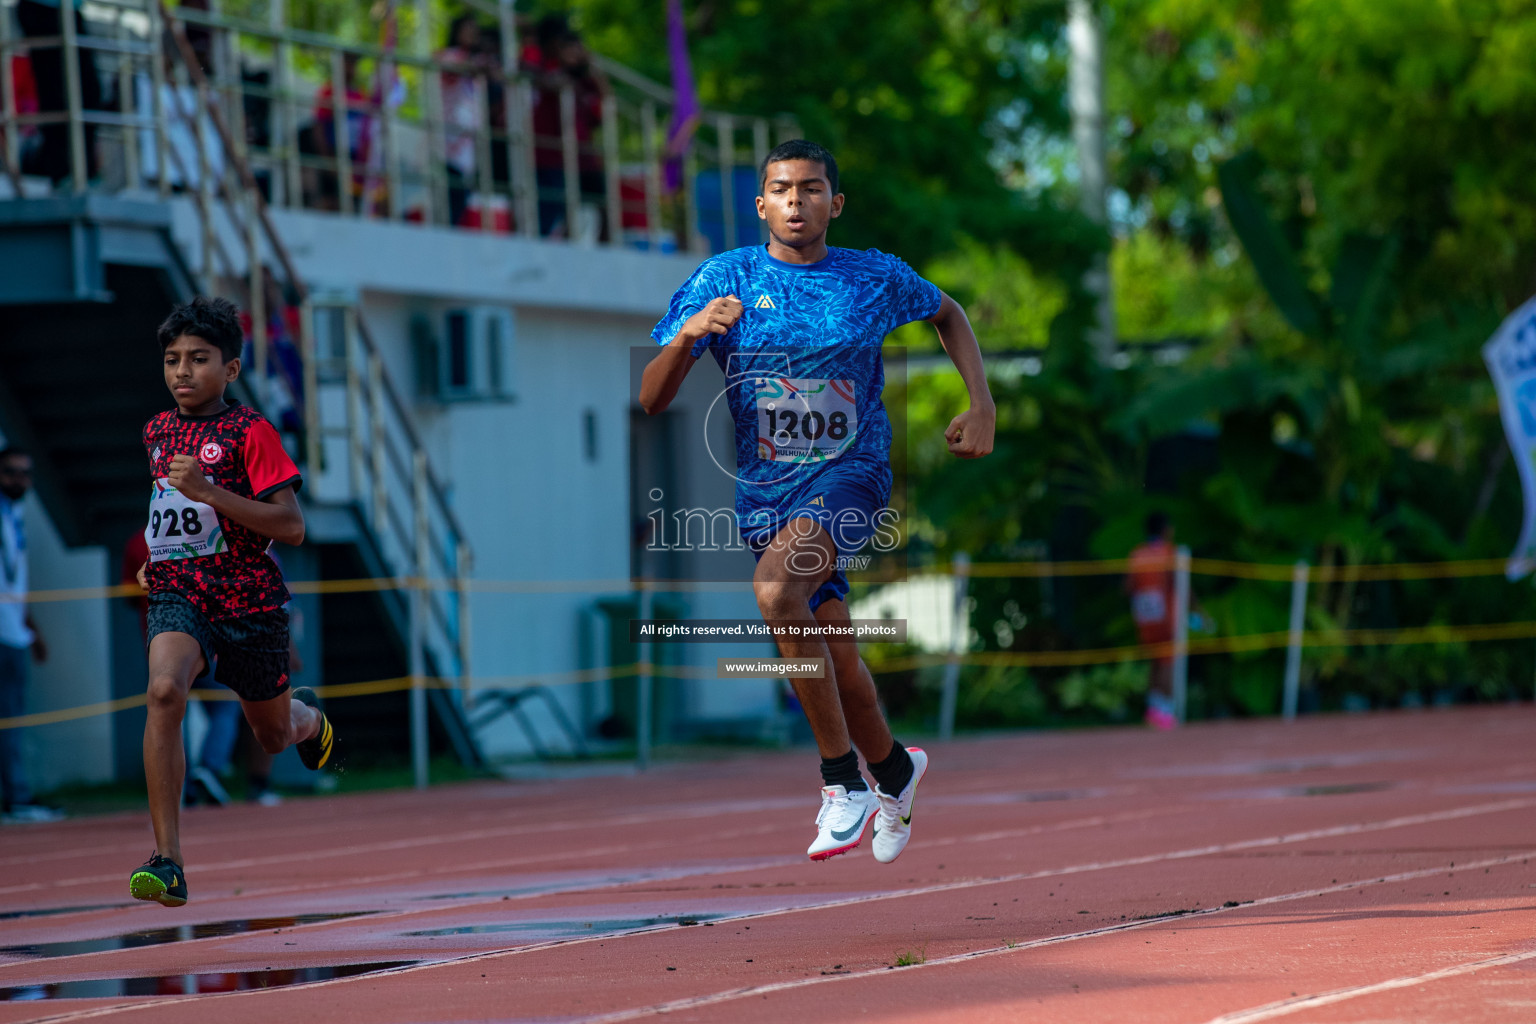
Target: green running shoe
159,879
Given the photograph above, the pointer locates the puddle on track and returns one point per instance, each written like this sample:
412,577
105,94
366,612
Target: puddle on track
1273,766
160,936
1285,792
587,883
189,984
573,927
1035,796
1518,786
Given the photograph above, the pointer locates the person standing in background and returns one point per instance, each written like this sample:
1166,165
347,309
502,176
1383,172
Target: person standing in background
18,637
1149,582
561,61
463,114
40,19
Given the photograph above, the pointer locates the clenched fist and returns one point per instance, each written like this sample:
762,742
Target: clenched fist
187,477
970,434
716,318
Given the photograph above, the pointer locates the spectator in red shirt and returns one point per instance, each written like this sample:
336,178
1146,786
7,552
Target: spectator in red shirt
562,62
323,133
1150,586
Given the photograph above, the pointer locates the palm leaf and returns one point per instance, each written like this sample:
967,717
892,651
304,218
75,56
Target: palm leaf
1272,257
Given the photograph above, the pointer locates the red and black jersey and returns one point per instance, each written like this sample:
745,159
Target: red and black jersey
241,452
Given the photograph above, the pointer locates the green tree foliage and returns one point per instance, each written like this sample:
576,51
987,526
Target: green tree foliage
913,98
1333,199
1405,117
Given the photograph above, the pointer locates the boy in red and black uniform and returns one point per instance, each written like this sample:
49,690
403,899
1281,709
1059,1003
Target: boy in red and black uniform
224,489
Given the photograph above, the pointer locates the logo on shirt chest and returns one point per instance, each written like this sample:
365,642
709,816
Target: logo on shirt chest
764,302
211,453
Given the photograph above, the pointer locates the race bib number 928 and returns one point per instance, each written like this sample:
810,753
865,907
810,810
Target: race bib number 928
179,528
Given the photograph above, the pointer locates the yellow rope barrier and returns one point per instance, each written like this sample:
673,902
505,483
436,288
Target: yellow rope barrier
1412,635
996,570
1435,634
991,570
1032,570
338,691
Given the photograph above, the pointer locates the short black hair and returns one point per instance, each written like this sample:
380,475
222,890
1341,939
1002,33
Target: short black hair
554,29
458,23
1157,523
216,321
798,149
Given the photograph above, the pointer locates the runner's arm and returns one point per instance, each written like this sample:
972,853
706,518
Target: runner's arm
969,434
664,374
276,516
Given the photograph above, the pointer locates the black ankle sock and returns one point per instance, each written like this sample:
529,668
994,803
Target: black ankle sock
894,772
843,771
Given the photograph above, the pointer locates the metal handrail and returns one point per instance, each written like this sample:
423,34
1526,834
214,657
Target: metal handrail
626,138
233,189
405,181
387,477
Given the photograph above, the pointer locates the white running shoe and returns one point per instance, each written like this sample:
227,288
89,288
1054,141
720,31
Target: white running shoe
893,825
842,822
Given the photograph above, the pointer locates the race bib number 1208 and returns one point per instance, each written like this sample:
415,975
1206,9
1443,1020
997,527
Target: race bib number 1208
805,419
179,528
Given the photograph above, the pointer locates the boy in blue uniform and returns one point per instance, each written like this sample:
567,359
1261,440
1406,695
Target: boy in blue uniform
797,326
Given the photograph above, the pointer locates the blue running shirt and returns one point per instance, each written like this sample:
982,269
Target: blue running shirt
802,365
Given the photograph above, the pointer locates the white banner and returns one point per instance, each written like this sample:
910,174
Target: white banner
1511,358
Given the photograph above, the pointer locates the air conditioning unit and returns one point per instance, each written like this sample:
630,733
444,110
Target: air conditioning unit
467,355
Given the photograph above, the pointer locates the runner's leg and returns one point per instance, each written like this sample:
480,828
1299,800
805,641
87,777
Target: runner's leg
866,723
797,561
175,659
281,722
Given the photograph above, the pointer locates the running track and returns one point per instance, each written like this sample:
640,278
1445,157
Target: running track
1362,868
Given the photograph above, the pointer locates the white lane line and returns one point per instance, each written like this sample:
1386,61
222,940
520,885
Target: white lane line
1398,822
504,832
1288,1006
1274,1010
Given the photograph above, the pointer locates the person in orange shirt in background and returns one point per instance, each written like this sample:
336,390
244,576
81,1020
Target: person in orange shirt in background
1150,585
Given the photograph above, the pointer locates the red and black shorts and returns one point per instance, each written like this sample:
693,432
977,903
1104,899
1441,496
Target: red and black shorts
251,652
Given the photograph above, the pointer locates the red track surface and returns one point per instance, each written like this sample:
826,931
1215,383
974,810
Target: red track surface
1366,868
